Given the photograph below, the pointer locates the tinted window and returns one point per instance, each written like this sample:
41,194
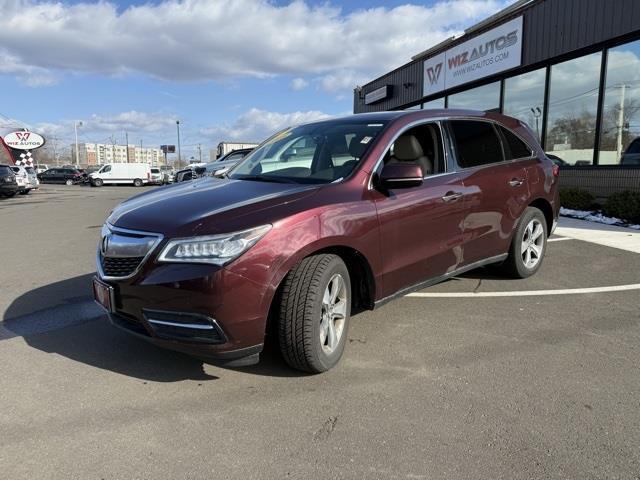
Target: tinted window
513,146
476,143
5,170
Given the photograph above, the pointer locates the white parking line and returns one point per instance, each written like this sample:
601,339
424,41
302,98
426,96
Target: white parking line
559,239
528,293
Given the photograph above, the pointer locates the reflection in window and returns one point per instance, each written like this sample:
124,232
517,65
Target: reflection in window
437,103
486,97
524,98
413,107
573,105
621,113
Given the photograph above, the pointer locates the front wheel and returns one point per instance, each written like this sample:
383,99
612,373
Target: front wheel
97,182
314,312
528,246
137,182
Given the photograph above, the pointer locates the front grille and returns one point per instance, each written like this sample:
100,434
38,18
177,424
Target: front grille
120,266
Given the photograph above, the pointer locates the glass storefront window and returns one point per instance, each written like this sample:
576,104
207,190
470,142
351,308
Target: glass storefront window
486,97
621,113
524,98
437,103
573,106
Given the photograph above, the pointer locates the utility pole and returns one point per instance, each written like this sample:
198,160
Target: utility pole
126,141
77,124
179,159
200,153
620,125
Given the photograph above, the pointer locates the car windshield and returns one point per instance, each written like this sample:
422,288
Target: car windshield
316,153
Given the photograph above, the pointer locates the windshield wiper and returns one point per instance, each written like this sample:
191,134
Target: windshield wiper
265,178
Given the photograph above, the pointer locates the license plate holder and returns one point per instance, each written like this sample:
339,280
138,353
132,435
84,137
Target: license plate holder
104,295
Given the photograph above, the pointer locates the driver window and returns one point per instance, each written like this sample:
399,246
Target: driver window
421,145
106,169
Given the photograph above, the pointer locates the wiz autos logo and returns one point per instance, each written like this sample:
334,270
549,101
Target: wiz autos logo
481,51
23,136
433,73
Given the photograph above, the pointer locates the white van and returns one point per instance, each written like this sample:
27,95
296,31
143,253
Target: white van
136,174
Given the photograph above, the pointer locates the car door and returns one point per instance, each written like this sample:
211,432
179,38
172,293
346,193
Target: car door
50,176
421,227
497,189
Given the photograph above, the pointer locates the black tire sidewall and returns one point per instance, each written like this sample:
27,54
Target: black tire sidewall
320,359
137,182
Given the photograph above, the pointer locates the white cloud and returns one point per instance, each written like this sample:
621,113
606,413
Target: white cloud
298,84
200,40
256,125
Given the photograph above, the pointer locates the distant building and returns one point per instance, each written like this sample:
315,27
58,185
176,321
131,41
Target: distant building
100,153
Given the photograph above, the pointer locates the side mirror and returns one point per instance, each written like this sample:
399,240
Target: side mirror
400,175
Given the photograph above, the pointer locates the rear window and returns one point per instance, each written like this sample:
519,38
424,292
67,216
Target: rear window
5,170
476,143
514,147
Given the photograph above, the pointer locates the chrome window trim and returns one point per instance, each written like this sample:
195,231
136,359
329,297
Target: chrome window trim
111,228
194,326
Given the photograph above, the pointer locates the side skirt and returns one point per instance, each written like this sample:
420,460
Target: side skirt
441,278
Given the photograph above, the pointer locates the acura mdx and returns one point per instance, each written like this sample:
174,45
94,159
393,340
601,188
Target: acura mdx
322,221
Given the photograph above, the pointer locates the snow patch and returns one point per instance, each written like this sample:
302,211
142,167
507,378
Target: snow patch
596,217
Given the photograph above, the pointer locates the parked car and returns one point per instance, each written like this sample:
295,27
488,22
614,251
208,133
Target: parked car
24,186
631,156
8,183
136,174
193,171
223,165
157,177
41,168
33,178
322,221
67,176
168,174
557,160
26,178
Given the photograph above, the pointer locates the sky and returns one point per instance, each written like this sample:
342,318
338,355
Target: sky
226,69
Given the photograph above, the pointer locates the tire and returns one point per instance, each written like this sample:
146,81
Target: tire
532,231
97,182
25,192
68,182
311,339
137,182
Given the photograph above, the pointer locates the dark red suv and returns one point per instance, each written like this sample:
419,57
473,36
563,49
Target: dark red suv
322,221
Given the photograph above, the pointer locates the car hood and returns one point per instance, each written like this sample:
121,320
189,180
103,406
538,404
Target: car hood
202,207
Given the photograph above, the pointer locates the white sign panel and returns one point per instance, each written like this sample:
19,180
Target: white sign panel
434,74
23,140
492,52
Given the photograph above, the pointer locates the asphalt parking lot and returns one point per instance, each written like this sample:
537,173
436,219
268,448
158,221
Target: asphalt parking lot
475,386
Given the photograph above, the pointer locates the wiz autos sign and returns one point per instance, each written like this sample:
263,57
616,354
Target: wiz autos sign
492,52
23,140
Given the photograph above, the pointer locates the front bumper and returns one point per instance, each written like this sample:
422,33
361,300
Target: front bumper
201,310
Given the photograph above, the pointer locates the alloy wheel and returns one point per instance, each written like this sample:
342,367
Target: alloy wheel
334,312
532,244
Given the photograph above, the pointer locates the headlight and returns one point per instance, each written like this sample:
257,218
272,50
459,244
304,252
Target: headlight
214,249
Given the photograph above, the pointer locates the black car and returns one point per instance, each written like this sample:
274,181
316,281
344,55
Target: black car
632,155
8,183
223,163
68,176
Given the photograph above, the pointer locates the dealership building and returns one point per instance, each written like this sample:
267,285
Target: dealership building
570,69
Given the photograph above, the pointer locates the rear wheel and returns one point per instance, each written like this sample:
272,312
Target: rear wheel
97,182
137,182
313,314
25,192
68,181
528,245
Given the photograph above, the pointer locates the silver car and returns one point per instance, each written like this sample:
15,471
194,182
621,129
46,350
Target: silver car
26,178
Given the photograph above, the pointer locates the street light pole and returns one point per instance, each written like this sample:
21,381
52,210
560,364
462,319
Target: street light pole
179,159
77,124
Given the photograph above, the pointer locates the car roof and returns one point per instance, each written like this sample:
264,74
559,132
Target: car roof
448,113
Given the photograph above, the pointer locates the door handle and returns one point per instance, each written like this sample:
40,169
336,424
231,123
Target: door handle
451,197
515,182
